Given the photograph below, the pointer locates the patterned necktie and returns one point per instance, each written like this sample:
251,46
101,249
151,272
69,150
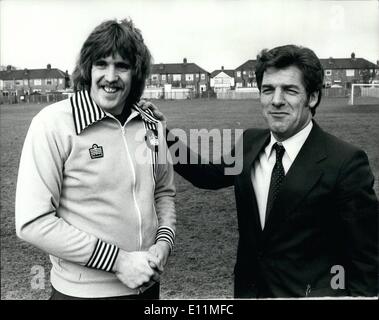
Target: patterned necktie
277,177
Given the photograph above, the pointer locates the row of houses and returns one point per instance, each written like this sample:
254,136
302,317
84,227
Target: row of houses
30,81
339,72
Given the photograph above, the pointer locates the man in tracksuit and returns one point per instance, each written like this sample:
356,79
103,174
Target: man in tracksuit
95,186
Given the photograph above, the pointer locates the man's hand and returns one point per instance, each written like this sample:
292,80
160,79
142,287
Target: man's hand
145,105
134,268
161,250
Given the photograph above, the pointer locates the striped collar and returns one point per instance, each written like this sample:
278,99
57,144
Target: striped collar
86,112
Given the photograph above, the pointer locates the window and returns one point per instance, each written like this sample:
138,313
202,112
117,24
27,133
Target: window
197,75
202,76
60,81
239,74
350,73
8,84
49,81
244,72
18,82
189,77
25,82
163,77
154,77
328,72
177,77
37,82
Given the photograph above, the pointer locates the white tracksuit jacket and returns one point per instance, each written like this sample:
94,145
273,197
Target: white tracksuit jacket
88,186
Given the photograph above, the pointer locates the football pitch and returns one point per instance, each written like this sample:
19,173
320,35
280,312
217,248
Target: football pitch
201,266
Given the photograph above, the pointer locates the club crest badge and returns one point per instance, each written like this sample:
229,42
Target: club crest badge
96,151
151,139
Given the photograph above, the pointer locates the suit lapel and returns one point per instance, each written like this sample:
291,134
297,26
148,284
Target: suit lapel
253,145
301,177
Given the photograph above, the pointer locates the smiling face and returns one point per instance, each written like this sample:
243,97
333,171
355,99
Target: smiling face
286,105
111,80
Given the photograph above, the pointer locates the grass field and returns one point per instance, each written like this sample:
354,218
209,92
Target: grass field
202,263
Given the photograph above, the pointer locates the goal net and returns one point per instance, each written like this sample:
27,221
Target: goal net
364,94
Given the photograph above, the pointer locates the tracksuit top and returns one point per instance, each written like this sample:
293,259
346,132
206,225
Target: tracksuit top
88,186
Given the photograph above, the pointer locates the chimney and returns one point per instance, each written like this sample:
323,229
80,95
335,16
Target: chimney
330,61
9,68
49,66
26,71
352,56
185,61
222,68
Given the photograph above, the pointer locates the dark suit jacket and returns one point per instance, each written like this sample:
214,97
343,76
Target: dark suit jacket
325,218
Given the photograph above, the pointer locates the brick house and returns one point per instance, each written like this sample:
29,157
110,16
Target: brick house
179,75
338,71
28,81
346,71
222,80
244,75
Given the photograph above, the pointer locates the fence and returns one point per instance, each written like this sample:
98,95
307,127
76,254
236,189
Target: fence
48,98
173,94
234,95
153,94
180,94
370,92
335,92
239,93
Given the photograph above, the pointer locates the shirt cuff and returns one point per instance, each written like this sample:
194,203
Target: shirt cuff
166,234
103,257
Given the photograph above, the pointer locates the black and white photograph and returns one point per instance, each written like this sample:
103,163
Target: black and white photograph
217,151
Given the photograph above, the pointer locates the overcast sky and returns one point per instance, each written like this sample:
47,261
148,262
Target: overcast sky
210,33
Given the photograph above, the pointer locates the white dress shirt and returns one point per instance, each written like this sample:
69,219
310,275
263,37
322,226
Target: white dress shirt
262,168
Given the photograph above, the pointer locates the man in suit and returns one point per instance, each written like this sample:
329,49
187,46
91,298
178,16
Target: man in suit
307,211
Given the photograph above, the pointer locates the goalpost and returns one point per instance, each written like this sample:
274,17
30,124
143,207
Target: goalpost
364,90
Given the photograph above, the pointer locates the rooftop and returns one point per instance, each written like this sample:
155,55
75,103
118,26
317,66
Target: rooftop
177,68
47,73
347,63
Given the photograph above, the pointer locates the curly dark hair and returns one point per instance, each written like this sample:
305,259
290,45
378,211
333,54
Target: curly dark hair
109,38
291,55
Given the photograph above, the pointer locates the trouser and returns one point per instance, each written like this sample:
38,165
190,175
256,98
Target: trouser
150,294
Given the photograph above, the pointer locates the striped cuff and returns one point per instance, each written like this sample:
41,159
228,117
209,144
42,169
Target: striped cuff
166,234
103,257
